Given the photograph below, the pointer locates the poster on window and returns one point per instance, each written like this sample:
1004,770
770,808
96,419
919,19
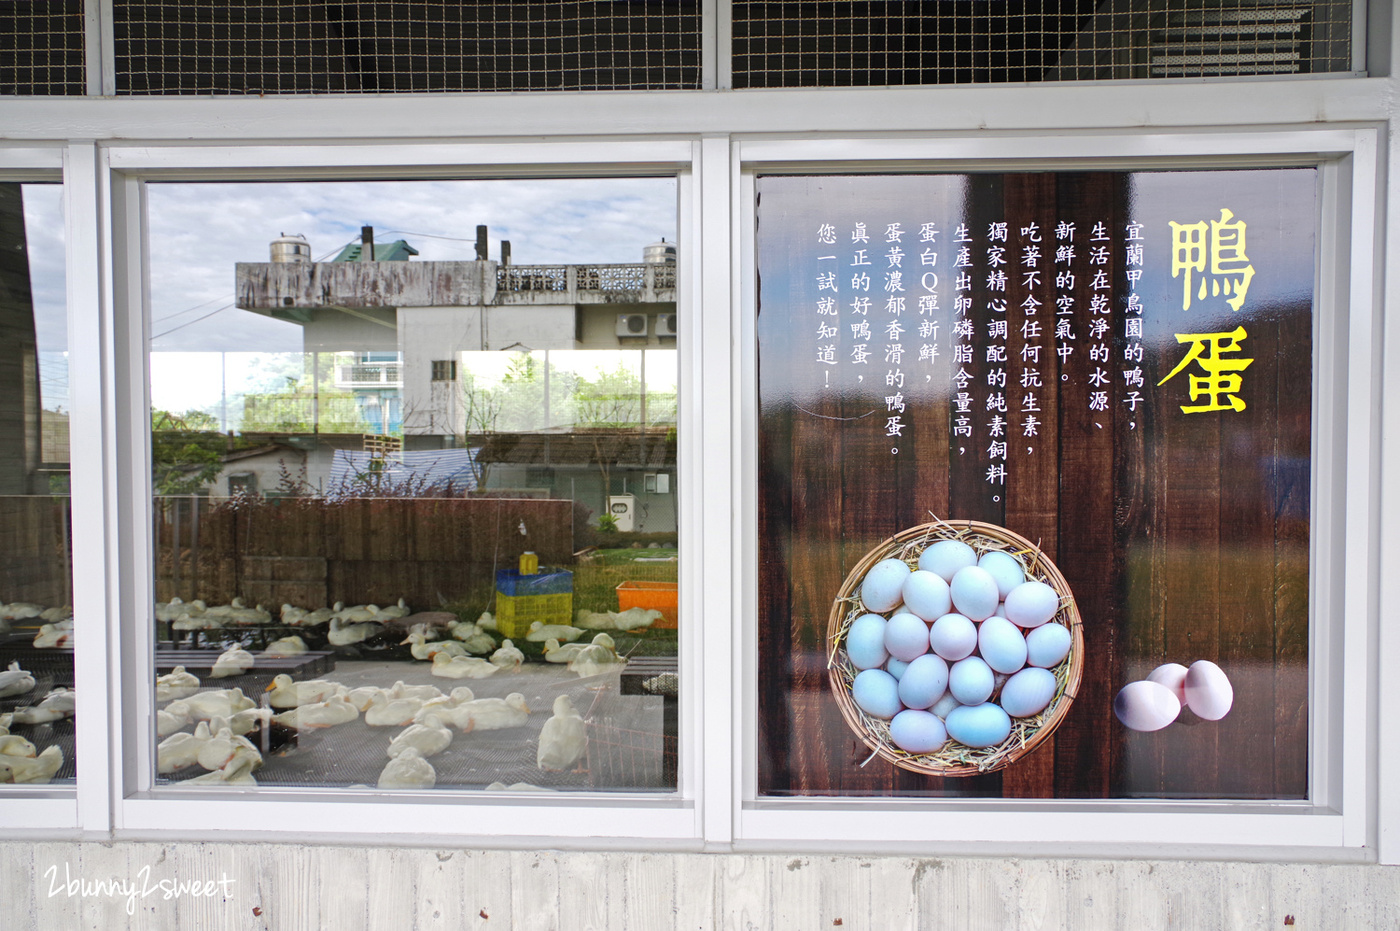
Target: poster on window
1034,479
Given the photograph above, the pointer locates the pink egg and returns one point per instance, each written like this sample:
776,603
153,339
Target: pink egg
906,636
1173,676
1146,706
1208,690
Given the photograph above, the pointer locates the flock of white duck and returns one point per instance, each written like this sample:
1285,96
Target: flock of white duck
56,624
20,760
429,719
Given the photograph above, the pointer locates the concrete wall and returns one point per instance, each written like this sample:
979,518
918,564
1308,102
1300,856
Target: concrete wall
346,888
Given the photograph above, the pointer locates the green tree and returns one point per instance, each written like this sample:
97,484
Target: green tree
187,451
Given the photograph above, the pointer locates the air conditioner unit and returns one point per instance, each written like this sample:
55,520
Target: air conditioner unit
633,325
624,509
666,325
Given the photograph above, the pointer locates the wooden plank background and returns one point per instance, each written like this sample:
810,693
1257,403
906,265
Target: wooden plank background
312,552
1183,537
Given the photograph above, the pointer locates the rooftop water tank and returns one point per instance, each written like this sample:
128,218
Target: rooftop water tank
660,253
291,249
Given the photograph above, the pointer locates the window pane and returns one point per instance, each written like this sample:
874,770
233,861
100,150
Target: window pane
414,484
36,579
1100,386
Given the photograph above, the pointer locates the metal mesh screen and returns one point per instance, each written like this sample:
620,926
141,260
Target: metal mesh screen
836,44
310,47
41,47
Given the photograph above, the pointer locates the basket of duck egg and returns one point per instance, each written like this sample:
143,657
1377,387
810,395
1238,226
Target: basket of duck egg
954,648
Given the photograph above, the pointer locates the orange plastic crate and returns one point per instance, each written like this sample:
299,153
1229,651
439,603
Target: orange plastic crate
661,596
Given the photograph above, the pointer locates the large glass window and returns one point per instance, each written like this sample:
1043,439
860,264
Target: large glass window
414,479
36,579
1035,478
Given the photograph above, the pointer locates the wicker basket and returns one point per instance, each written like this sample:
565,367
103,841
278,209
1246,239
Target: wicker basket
953,758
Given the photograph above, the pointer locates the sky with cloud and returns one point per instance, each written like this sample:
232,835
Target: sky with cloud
204,348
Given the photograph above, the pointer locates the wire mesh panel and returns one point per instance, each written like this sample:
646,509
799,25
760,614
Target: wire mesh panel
310,46
836,44
41,47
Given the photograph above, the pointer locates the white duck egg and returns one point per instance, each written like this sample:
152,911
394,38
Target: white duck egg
971,681
974,593
945,704
1048,644
880,591
896,667
953,637
924,682
1028,692
1208,690
1001,645
946,557
865,642
1032,603
1173,676
877,693
978,726
1146,706
906,636
917,731
1004,568
926,594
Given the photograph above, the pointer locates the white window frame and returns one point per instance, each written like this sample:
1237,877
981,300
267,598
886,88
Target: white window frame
527,819
28,809
1338,818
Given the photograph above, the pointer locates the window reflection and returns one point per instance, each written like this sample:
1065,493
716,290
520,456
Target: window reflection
413,498
36,591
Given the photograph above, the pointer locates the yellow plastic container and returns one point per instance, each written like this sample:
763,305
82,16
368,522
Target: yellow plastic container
529,563
515,613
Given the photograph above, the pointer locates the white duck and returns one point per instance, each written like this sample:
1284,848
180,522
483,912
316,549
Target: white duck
36,771
15,681
56,615
283,692
181,750
318,714
57,705
509,656
563,737
408,770
555,652
487,621
473,639
384,711
462,667
394,612
244,722
239,772
446,707
220,703
595,659
420,692
20,610
343,634
494,714
540,632
286,646
176,684
424,649
15,745
300,617
232,662
55,636
631,619
172,718
175,608
355,613
362,697
219,750
429,738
